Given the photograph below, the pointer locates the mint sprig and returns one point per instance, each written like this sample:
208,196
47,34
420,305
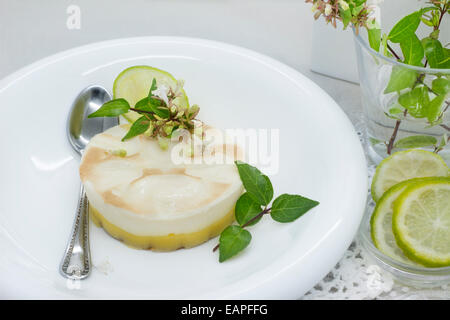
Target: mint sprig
159,117
252,205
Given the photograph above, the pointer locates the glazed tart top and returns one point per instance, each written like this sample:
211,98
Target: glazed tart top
139,177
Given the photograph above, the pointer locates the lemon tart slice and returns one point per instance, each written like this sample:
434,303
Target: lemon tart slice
151,198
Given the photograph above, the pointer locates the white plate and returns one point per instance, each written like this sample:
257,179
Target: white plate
320,157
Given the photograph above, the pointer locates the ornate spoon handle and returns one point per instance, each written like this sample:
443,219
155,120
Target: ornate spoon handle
76,262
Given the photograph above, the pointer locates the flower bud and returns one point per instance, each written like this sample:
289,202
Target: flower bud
328,9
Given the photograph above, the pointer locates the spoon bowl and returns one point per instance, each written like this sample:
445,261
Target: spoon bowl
80,128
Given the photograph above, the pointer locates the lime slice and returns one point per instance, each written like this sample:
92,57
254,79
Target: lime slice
133,84
421,222
405,165
381,221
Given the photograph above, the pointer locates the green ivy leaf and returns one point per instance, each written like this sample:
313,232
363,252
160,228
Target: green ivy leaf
246,209
415,142
138,127
288,207
441,86
257,185
374,36
436,54
405,27
112,108
412,50
401,78
233,240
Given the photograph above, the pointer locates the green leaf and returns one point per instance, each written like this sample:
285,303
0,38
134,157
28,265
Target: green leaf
415,101
443,142
144,106
346,16
434,108
112,108
233,240
374,141
138,127
257,185
288,207
401,78
157,107
415,142
246,209
374,38
412,50
436,54
441,86
384,44
152,88
405,27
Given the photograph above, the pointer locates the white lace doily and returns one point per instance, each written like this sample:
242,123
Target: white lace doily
355,277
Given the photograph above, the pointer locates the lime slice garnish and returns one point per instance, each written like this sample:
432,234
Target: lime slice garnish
381,221
421,222
133,84
405,165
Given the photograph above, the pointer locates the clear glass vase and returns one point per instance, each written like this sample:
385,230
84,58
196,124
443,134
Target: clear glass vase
404,106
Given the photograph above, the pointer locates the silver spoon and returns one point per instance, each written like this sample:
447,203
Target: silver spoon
76,262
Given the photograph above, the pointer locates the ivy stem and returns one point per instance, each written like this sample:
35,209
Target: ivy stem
259,215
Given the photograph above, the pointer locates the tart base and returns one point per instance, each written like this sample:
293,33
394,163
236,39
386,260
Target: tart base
169,242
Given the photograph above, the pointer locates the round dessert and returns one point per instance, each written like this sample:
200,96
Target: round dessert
151,198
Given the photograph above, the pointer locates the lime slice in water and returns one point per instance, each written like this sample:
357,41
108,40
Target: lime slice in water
405,165
421,222
381,221
133,84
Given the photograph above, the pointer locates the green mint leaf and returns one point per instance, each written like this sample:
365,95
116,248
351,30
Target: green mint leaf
158,108
401,78
436,54
257,185
112,108
138,127
434,108
233,240
412,50
415,101
246,209
405,27
415,142
374,35
441,86
444,140
346,16
144,106
152,88
384,44
288,207
357,9
374,141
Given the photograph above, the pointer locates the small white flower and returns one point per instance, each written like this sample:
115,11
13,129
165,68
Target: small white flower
161,92
328,9
343,4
